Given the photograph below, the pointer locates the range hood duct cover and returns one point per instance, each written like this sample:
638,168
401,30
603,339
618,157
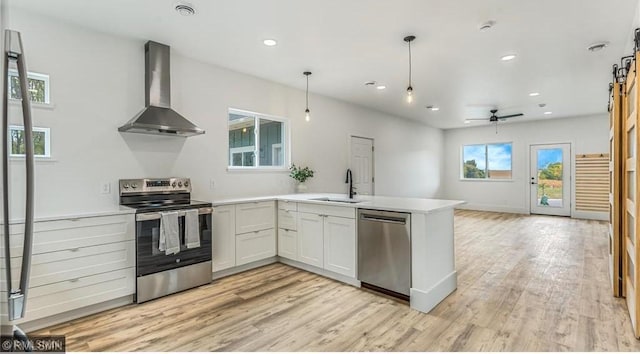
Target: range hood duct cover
158,117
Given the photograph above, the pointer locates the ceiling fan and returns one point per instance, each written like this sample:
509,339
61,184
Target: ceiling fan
495,118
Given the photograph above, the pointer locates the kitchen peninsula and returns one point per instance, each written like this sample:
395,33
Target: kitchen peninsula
317,232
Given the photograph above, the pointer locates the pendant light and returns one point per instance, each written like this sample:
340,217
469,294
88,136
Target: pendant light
307,115
409,39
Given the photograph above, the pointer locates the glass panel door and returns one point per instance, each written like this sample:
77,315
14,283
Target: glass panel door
550,179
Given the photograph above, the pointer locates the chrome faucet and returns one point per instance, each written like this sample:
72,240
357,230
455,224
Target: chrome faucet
350,181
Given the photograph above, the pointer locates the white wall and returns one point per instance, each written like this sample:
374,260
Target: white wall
97,84
586,134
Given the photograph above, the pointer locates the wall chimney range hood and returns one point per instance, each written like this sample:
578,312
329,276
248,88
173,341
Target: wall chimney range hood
158,117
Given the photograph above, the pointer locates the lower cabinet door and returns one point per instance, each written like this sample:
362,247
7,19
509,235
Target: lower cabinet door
254,246
310,239
288,244
340,245
224,237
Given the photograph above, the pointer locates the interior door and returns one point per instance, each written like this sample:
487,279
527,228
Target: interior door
550,179
615,190
362,165
631,207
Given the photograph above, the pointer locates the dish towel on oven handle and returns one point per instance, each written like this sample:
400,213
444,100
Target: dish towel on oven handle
191,228
169,241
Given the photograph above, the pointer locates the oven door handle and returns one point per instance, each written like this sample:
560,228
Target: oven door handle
156,216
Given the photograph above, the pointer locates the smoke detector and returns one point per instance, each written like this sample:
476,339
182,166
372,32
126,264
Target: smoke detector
596,47
185,9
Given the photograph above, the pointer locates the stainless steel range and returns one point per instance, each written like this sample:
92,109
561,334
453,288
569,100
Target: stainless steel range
173,235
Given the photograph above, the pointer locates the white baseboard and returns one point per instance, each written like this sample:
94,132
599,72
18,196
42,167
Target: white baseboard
243,268
320,271
493,208
590,215
426,300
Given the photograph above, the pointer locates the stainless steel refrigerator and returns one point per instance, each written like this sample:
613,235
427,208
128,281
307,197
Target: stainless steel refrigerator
13,55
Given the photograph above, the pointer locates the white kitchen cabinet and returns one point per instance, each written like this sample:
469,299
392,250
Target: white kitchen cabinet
255,246
310,239
287,205
77,262
288,244
287,219
255,216
340,245
224,237
243,233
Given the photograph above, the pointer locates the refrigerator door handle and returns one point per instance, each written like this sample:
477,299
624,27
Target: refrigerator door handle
13,52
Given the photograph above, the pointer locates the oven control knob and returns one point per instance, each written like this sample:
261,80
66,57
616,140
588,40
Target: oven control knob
178,260
134,185
186,183
173,185
179,184
126,186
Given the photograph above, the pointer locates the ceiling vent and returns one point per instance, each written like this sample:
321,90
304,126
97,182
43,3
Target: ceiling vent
185,9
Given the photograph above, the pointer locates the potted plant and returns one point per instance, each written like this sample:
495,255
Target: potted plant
300,174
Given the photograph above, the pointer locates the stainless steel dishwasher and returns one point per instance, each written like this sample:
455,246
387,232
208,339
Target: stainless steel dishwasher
384,251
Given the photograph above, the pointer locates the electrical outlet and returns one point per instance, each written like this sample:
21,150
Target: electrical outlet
212,184
105,188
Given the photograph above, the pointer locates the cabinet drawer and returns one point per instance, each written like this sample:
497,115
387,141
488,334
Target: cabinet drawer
60,235
288,244
255,216
53,267
329,210
65,296
287,219
254,246
287,205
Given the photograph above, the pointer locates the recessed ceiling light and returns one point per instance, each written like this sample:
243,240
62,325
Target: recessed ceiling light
542,105
596,47
433,108
467,121
369,83
534,94
270,42
185,9
548,113
508,57
381,87
486,26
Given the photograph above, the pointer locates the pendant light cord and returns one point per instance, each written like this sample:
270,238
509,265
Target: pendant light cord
307,92
409,63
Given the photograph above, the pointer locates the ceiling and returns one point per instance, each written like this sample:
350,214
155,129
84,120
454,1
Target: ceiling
456,67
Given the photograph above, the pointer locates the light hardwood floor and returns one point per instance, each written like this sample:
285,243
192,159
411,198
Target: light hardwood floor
525,283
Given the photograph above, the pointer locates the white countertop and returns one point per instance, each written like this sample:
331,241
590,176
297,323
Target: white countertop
116,210
409,205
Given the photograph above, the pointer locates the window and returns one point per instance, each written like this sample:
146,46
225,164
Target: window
257,140
41,141
38,87
486,161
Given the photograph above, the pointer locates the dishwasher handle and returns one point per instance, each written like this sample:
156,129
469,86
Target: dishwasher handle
384,219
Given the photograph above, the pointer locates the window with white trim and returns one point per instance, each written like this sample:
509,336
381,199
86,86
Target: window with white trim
257,141
38,87
486,161
41,141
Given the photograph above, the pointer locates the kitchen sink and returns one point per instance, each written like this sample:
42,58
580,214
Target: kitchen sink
327,199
